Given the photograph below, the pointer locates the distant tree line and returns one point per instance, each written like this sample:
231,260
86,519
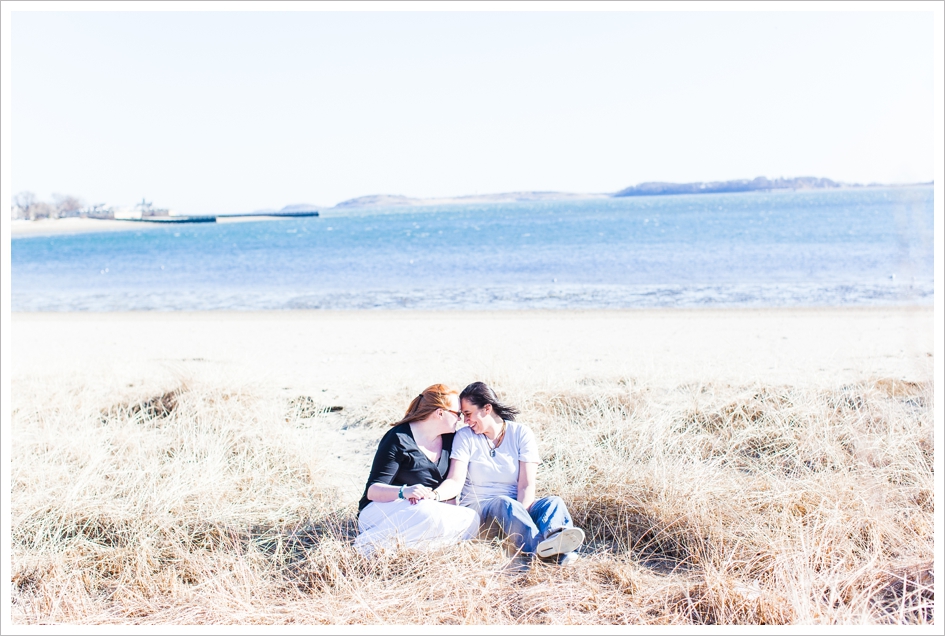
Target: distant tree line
27,205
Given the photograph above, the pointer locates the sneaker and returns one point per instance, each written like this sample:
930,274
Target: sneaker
569,558
564,541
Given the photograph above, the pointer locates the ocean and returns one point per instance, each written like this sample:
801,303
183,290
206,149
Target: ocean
862,246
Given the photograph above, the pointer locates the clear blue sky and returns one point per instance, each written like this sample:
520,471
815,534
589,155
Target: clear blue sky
210,112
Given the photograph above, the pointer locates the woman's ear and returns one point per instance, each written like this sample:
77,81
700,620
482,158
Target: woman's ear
487,408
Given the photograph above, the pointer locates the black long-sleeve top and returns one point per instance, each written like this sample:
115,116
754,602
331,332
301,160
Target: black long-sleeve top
400,462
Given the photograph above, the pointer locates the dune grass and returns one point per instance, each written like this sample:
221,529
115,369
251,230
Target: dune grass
204,503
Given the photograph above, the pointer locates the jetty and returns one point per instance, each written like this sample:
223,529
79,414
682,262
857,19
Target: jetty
277,215
172,219
213,218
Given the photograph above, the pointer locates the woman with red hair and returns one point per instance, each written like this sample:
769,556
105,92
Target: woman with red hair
400,506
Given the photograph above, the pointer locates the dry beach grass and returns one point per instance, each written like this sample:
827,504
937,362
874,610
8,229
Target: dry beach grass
151,492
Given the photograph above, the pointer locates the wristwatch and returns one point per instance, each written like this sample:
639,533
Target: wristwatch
400,495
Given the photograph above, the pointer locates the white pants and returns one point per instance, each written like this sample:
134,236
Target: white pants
426,524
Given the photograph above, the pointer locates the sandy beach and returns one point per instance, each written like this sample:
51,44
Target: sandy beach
353,352
52,227
145,422
57,227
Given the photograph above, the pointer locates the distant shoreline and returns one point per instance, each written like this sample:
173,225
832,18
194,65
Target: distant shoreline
83,225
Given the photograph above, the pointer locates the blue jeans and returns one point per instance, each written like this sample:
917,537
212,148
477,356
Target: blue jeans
526,528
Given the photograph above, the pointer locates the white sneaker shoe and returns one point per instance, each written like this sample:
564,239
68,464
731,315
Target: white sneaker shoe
562,542
569,558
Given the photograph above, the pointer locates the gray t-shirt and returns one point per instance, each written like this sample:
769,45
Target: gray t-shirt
489,477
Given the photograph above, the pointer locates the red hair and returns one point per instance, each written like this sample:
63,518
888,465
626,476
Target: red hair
434,397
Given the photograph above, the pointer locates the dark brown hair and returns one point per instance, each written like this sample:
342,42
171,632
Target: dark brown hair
433,397
479,394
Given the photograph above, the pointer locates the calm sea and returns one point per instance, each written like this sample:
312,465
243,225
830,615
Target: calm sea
807,248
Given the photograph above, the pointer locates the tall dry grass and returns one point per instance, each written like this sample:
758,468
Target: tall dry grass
204,503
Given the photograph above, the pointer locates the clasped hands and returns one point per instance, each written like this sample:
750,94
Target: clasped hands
415,493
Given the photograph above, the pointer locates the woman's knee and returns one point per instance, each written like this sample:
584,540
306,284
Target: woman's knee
459,514
552,504
424,510
447,515
497,506
498,514
554,501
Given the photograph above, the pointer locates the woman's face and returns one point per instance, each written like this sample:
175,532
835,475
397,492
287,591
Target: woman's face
474,415
452,419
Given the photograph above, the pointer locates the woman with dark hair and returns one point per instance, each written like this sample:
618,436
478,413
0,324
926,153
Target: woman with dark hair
493,468
400,505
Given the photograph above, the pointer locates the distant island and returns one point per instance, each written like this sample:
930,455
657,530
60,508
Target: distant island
651,188
289,209
502,197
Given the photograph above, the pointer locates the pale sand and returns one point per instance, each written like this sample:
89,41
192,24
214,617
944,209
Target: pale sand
50,227
353,352
55,227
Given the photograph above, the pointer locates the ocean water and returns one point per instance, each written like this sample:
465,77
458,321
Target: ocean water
871,246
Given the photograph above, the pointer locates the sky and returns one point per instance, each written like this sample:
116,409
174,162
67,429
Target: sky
228,111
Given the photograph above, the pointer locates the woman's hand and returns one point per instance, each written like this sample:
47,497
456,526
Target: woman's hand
383,493
418,492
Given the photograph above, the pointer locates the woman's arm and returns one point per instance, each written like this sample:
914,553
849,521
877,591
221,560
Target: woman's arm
527,476
382,493
384,468
453,484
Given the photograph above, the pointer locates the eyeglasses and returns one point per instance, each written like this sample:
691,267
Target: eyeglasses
456,413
